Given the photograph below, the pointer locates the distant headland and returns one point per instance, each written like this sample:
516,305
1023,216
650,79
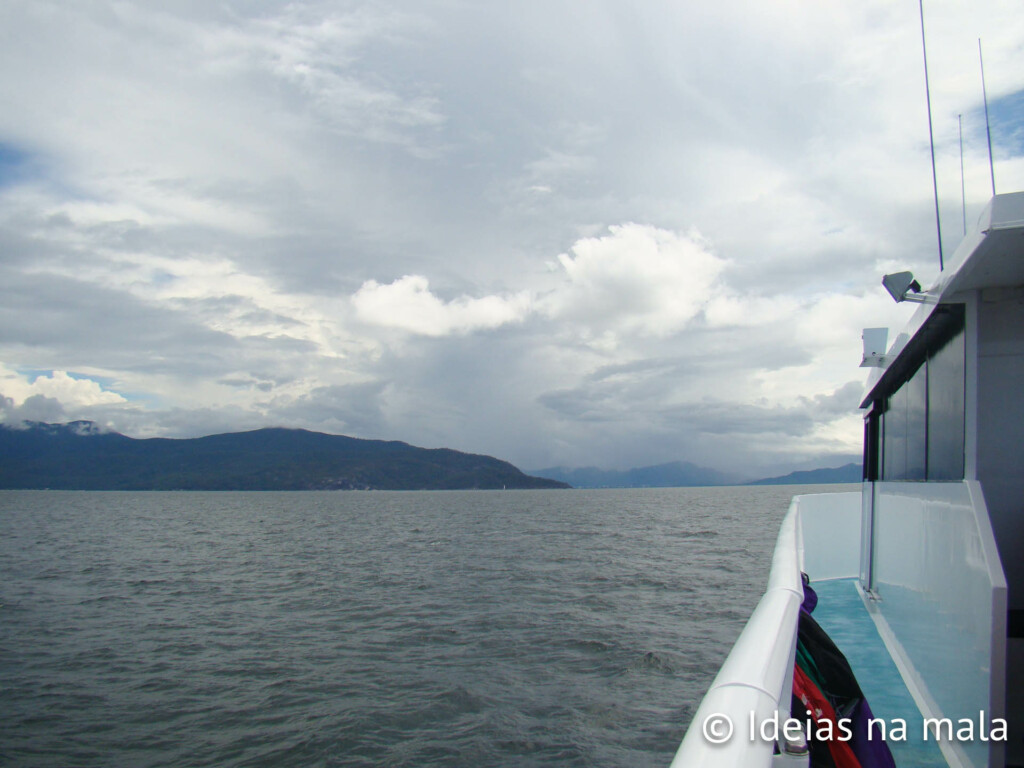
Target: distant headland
81,455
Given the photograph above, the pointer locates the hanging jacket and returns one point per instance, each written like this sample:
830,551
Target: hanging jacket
825,666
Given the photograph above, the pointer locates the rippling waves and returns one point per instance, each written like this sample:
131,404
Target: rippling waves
547,628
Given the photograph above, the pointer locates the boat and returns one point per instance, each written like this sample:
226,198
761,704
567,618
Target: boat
918,575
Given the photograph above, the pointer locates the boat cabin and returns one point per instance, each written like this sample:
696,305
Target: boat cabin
944,482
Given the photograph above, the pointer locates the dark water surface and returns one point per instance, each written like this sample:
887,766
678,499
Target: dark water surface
520,628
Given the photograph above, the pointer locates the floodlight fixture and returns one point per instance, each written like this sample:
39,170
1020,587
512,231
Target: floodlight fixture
903,287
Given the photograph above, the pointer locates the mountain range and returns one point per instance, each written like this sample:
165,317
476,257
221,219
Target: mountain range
848,473
670,475
82,456
684,474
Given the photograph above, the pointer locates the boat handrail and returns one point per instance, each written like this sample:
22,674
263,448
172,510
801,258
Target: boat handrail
749,700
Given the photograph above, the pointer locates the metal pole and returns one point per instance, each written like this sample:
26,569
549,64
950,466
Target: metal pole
931,136
963,192
988,130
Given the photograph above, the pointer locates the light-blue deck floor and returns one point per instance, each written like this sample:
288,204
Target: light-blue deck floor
841,613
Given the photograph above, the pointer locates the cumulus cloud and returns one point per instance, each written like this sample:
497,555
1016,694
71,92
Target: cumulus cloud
407,304
74,390
637,278
58,386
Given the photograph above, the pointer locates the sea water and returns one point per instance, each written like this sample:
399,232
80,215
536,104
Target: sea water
516,628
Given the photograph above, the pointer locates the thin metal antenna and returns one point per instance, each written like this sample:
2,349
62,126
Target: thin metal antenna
988,130
963,193
931,136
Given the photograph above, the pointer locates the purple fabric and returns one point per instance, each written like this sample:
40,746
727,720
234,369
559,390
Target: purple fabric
841,687
872,753
810,596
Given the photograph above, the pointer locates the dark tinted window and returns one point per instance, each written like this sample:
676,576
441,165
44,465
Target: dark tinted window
921,430
946,411
894,427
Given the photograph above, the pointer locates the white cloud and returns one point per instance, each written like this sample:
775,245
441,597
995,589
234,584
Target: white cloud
72,391
408,305
636,279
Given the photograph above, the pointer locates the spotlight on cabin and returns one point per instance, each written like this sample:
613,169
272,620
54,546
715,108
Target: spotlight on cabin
903,287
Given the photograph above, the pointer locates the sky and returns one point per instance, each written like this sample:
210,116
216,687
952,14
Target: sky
560,232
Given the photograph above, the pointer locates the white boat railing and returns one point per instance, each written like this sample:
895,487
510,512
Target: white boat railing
743,713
